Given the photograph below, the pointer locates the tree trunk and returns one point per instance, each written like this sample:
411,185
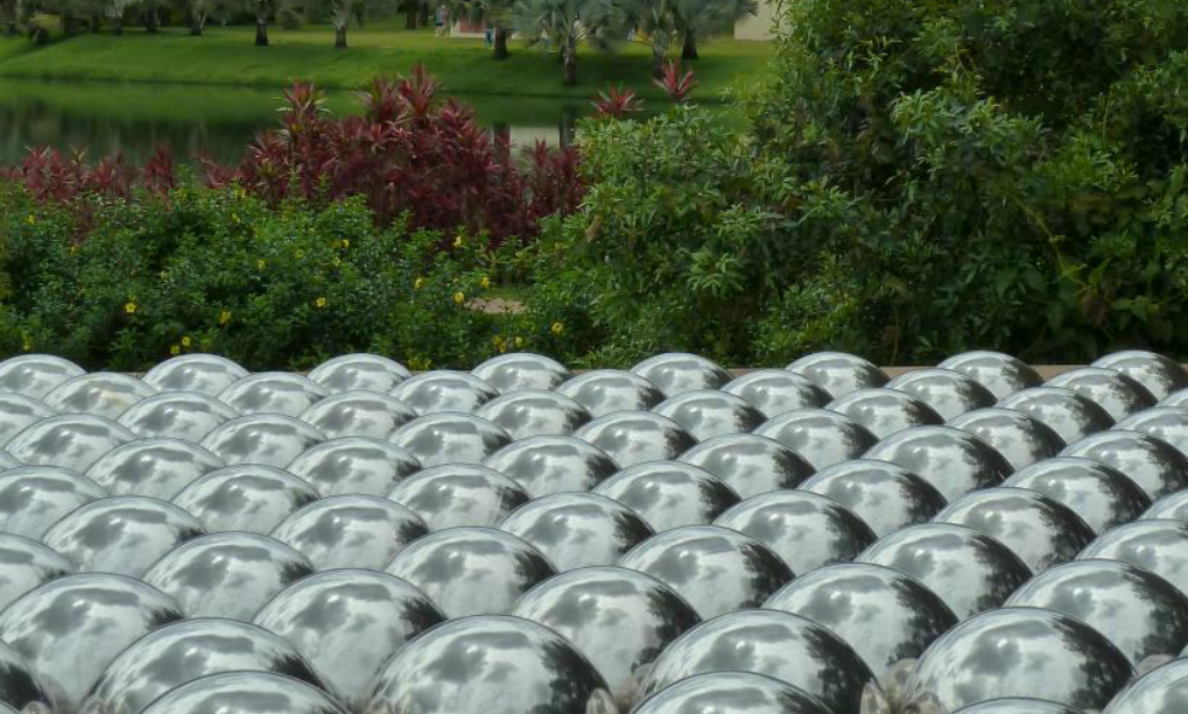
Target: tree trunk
261,32
410,16
117,24
196,22
658,62
501,34
340,42
569,64
95,23
689,52
40,35
423,17
150,21
69,25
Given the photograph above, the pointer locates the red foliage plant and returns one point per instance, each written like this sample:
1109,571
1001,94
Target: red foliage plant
616,103
407,152
49,175
678,86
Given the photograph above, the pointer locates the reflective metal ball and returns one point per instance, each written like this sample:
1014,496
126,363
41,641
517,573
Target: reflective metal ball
1002,374
451,438
577,530
953,461
353,372
245,498
544,465
678,372
355,531
839,373
950,393
526,413
606,391
775,391
1102,496
202,373
632,437
750,464
519,371
354,465
152,467
668,494
359,413
188,416
822,437
459,495
444,391
263,439
706,413
884,495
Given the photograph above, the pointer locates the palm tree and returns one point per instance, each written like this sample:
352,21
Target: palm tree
656,24
496,13
262,10
568,23
695,19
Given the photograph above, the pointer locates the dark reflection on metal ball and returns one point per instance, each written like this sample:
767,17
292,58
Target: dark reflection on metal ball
1113,391
24,565
1018,705
471,571
227,575
839,373
543,465
70,629
620,619
953,461
203,373
778,644
884,495
105,394
1167,424
668,494
359,371
970,571
885,411
1159,375
576,530
188,416
245,498
1067,413
444,391
884,615
1102,496
1172,507
731,693
265,439
1163,690
1042,532
36,375
121,534
717,570
948,392
274,393
348,623
632,438
1018,652
354,465
750,464
359,413
350,531
1160,547
71,441
678,372
1002,374
528,413
18,411
776,391
606,391
1020,438
451,438
34,498
459,495
706,413
1141,613
152,467
822,437
246,693
806,530
466,666
183,652
1157,468
521,370
19,687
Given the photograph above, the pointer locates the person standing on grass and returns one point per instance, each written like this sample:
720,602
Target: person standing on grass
441,20
489,36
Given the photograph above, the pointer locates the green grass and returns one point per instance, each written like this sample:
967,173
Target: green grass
227,56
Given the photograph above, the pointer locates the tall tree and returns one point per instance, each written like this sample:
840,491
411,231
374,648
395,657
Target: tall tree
262,10
696,19
114,10
568,23
497,15
8,11
655,24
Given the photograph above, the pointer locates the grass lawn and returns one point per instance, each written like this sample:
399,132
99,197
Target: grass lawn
227,56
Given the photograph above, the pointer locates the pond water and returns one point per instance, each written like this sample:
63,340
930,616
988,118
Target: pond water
106,118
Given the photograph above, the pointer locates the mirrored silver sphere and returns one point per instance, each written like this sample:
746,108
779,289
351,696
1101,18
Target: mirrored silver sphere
1159,375
1167,424
1021,439
1163,690
71,441
18,411
24,565
806,530
520,370
188,416
264,439
459,495
1018,652
884,495
775,391
605,391
716,570
668,494
1157,468
246,693
348,623
707,413
202,373
632,438
576,530
526,413
1018,705
948,392
227,575
821,437
34,498
970,571
451,438
543,465
36,375
953,461
274,393
750,464
19,688
884,411
359,371
152,467
839,373
359,413
354,465
105,394
245,498
1067,413
1102,496
731,693
1172,507
1113,391
1002,374
444,391
471,571
678,372
1158,546
354,531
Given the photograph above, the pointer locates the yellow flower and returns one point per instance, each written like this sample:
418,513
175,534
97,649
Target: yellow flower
73,249
346,243
419,364
225,317
235,218
240,193
459,241
320,302
28,343
557,328
519,342
260,264
186,341
336,262
459,297
175,350
31,219
500,344
130,308
485,282
299,254
418,283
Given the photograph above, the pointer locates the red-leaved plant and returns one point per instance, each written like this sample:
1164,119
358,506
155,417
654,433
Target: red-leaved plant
616,103
678,86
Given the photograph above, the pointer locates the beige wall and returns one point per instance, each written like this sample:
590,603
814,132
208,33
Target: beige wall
758,27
